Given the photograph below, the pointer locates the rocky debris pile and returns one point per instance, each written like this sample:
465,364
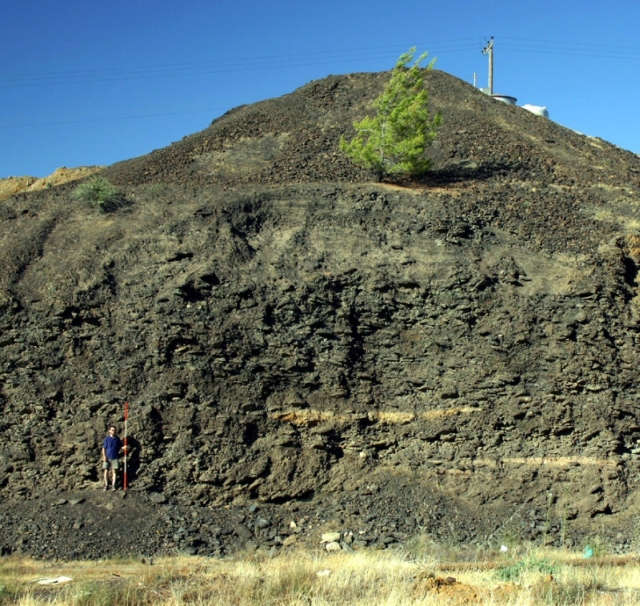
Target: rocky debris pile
294,139
95,525
453,357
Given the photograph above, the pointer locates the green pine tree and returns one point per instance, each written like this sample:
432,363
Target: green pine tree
393,142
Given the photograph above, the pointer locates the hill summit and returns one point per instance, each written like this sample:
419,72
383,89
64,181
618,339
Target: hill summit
455,356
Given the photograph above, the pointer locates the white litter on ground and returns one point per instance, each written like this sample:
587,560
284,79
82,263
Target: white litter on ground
54,581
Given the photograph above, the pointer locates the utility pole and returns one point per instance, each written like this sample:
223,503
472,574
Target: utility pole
488,50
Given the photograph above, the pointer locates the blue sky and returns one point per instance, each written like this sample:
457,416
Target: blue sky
96,82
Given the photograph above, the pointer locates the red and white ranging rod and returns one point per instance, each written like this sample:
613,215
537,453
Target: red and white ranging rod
126,444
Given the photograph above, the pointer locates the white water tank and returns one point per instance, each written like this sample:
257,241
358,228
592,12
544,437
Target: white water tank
538,110
509,100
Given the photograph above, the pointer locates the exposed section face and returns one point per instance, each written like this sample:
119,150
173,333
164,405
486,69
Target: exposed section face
441,355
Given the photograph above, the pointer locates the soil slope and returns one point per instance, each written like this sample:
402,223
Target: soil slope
456,357
14,185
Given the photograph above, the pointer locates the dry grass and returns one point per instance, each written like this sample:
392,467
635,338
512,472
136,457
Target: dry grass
303,578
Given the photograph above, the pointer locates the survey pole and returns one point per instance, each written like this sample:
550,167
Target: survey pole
126,444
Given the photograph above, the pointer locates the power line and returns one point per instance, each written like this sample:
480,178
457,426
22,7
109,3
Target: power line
202,72
577,49
116,117
302,60
195,69
200,68
218,66
568,53
349,56
589,45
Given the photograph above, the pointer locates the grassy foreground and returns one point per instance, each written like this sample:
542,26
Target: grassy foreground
371,578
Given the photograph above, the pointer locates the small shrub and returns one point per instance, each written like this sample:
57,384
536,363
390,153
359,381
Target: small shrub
100,193
154,189
7,596
514,571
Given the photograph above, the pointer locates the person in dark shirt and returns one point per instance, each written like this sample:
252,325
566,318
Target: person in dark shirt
111,448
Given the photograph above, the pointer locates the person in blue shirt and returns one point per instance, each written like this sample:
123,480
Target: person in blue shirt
111,449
